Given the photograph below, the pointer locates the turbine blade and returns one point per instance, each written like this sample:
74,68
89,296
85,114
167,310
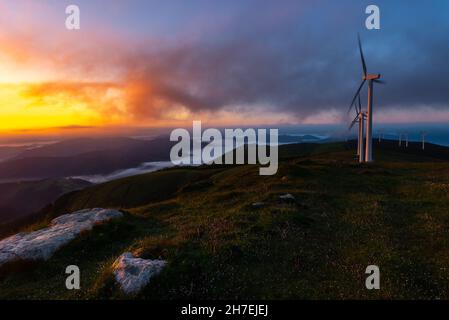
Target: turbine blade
365,72
379,81
360,104
352,125
355,96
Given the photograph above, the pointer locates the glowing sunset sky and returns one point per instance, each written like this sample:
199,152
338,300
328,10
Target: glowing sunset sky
164,63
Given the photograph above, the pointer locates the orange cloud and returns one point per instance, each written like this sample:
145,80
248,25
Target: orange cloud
55,78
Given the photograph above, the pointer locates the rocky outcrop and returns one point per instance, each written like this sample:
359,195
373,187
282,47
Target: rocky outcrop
43,243
287,197
132,274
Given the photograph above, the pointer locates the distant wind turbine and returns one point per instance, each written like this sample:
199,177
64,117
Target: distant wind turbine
380,132
360,119
423,136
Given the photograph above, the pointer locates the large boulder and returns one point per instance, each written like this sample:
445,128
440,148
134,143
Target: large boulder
43,243
132,274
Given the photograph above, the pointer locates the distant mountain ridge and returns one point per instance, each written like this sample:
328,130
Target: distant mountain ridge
77,146
19,200
289,138
84,156
10,152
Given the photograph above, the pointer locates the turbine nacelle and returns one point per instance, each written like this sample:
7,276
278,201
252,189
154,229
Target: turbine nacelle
374,76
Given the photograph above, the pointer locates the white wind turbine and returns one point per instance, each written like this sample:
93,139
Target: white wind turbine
403,136
371,78
360,119
423,136
381,133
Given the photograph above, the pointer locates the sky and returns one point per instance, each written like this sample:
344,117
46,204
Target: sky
148,63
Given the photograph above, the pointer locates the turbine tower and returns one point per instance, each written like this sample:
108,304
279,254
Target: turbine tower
371,78
362,120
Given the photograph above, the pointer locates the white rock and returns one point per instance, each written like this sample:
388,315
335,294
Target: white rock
43,243
135,273
287,196
258,204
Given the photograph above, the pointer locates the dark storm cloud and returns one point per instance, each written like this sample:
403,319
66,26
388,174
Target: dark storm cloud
303,59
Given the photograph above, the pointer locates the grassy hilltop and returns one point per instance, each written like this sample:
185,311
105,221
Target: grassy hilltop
393,213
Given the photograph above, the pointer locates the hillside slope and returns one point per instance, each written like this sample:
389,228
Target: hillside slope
21,200
392,213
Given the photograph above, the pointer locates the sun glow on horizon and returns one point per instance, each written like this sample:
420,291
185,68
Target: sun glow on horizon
28,106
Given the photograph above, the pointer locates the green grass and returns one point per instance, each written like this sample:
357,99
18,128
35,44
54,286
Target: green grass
393,213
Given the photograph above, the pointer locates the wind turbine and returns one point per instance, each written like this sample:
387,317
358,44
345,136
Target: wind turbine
371,78
380,132
360,119
423,136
